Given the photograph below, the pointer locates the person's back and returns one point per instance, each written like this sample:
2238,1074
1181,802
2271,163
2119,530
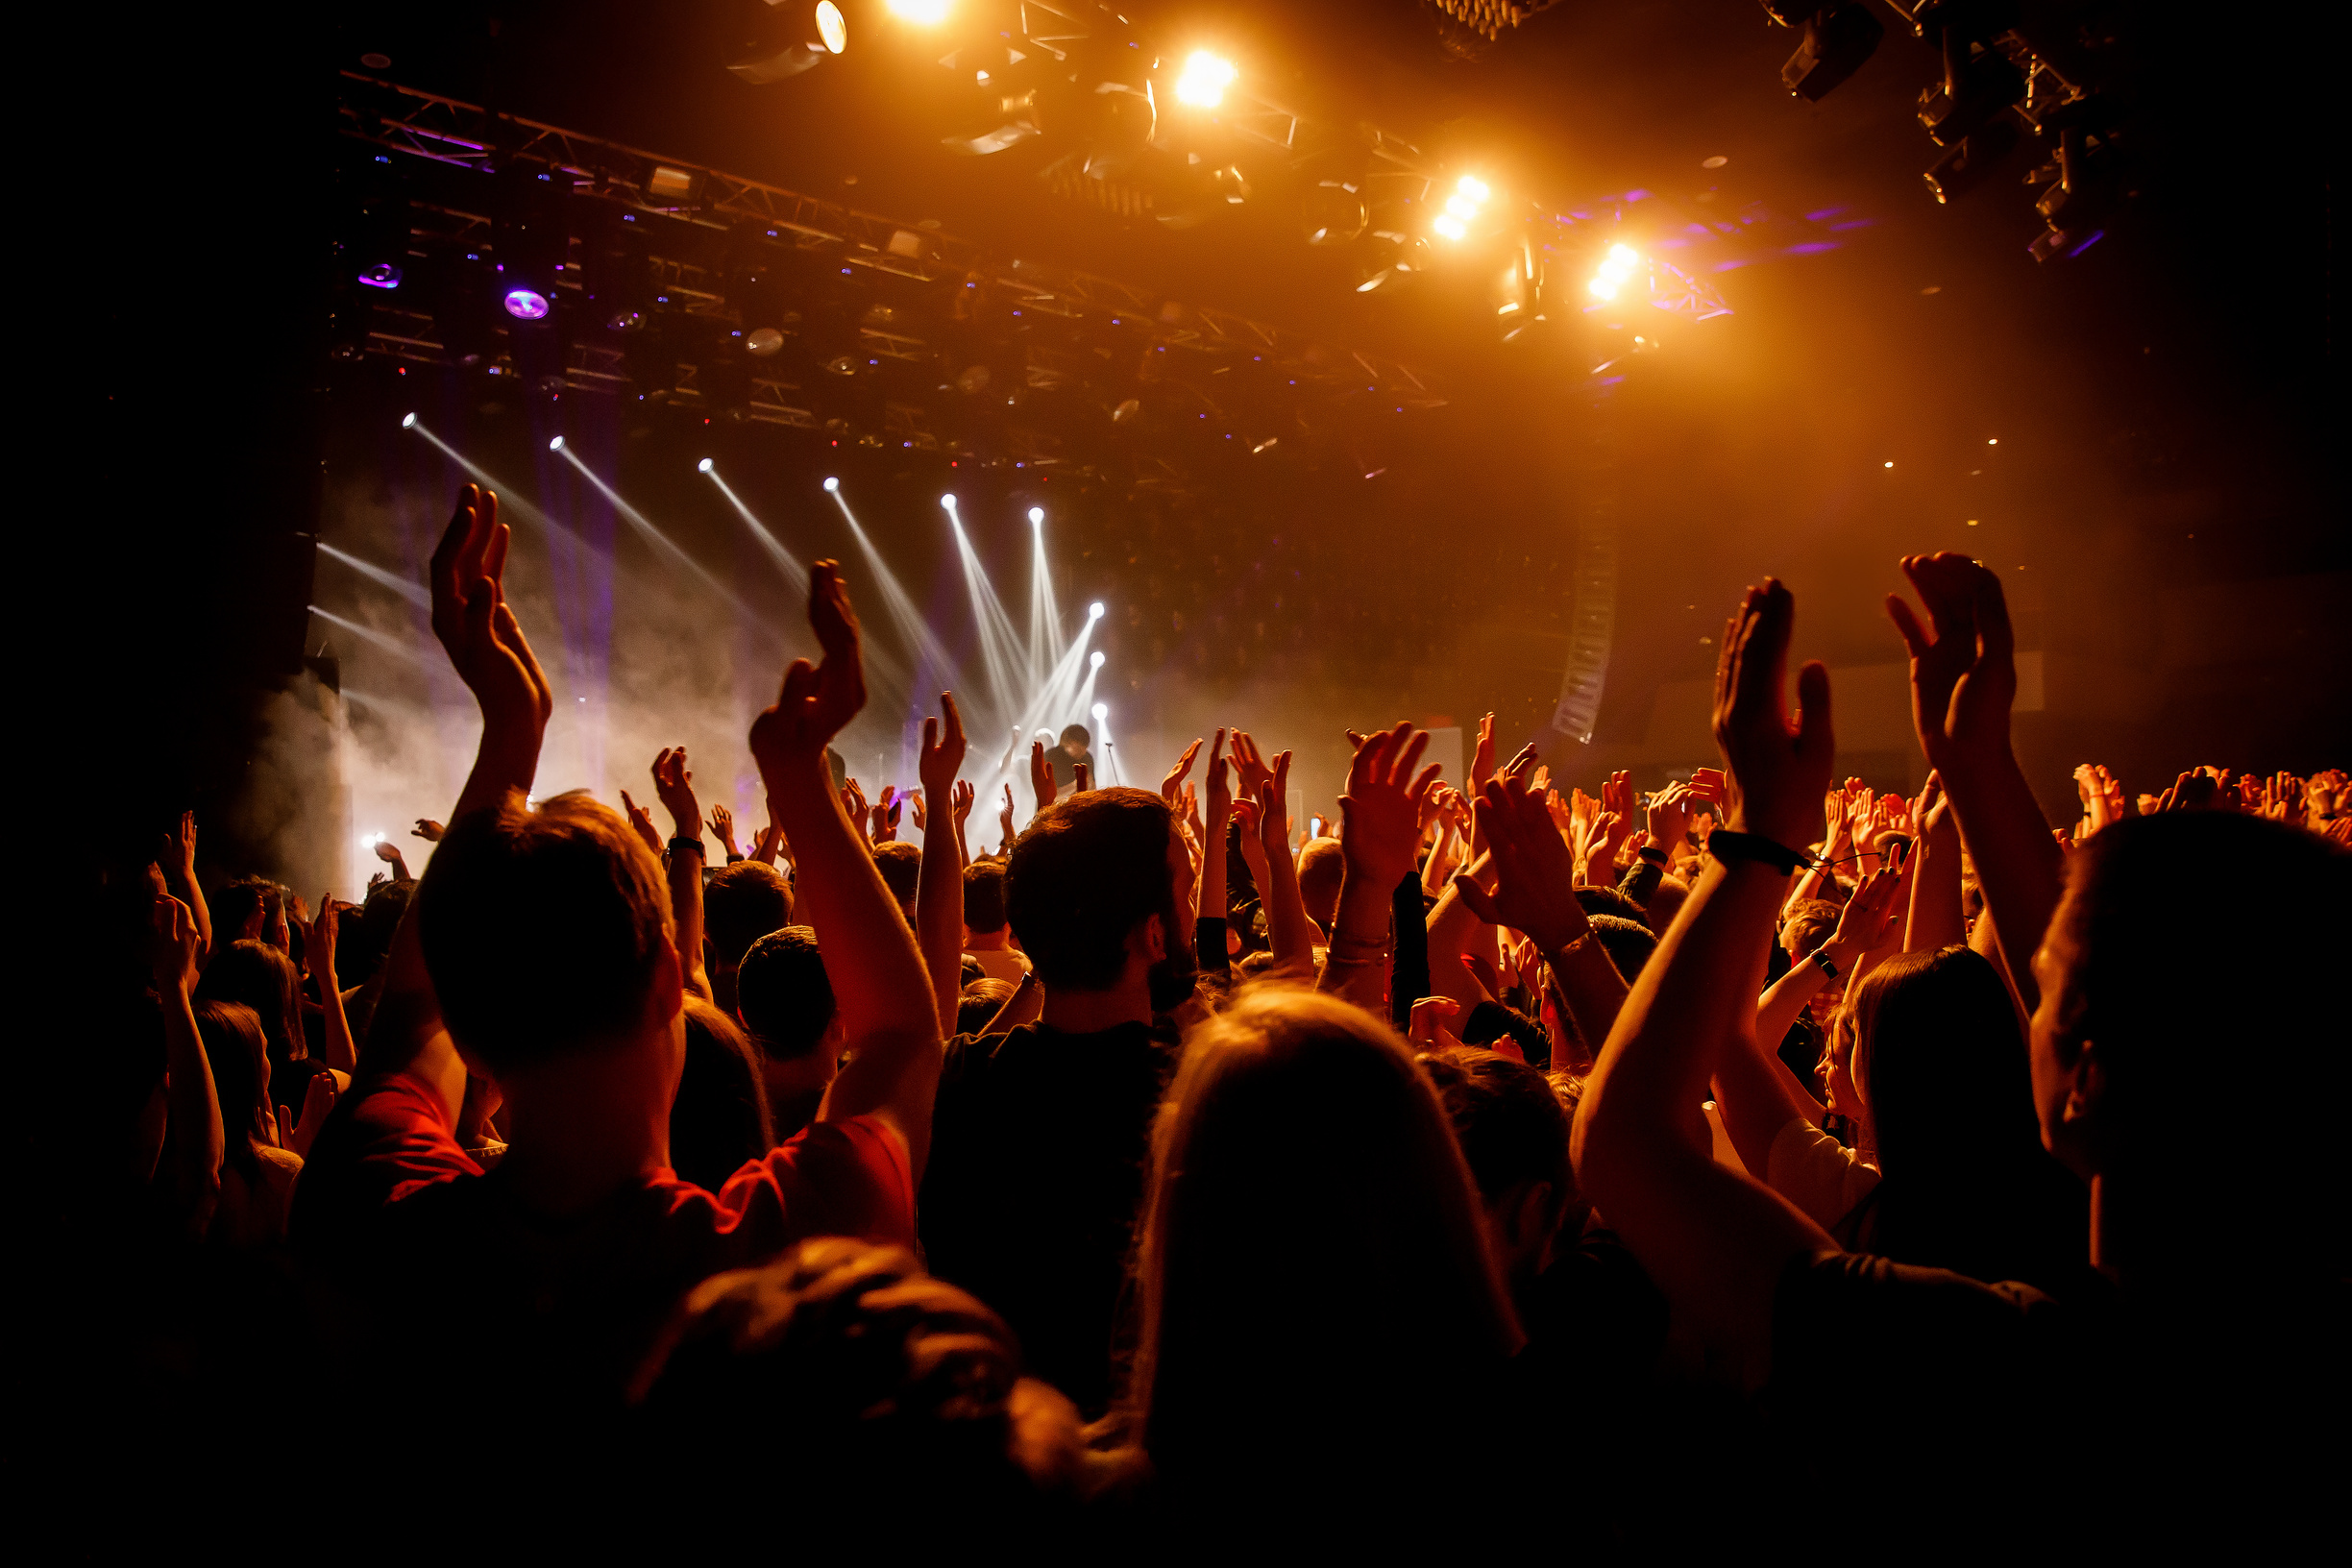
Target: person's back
1042,1133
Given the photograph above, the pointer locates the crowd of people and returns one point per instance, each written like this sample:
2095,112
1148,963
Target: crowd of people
1751,1161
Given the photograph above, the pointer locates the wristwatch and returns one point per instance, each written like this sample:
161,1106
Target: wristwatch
1822,960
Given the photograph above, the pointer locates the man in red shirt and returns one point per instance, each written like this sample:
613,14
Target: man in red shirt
540,956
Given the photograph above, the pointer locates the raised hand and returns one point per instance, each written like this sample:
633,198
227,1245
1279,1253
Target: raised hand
882,822
1250,765
1380,807
390,854
1534,874
674,786
427,830
722,825
962,802
177,947
1431,1027
487,645
1173,784
642,821
177,852
853,801
817,700
1483,759
1040,776
1082,780
768,844
1668,816
943,750
1774,772
1963,672
1004,818
1872,919
319,1098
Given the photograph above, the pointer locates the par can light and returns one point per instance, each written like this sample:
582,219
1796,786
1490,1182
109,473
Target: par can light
704,467
407,422
526,304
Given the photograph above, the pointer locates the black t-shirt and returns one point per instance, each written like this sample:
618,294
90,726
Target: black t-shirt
1065,766
1039,1145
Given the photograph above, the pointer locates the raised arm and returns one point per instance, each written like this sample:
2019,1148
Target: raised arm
1381,829
1290,932
886,1008
175,856
939,885
674,786
1715,1241
1535,892
1208,923
1962,682
319,953
1937,915
197,1139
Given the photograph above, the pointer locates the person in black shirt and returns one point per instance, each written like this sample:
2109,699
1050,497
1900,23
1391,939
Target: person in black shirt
1071,755
1041,1135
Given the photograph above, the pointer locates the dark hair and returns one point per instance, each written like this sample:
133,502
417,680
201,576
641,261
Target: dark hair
984,896
236,1048
1627,942
720,1120
742,903
1608,901
1508,1120
901,867
1075,732
2161,1022
541,928
783,994
1312,1259
1966,1184
256,974
981,1001
366,939
242,899
1489,1021
1087,871
1808,925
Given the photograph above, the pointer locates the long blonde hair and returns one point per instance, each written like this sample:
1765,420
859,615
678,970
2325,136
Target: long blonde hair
1310,1251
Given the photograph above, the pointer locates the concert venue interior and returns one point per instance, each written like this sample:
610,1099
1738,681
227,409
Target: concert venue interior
1170,367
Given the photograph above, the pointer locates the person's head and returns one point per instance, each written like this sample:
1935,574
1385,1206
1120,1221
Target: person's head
246,908
1099,890
741,905
1627,942
720,1119
237,1050
1074,740
981,1000
842,1372
258,975
1513,1131
2137,1008
365,939
984,897
901,867
1319,866
1808,925
547,933
783,996
1312,1269
1600,900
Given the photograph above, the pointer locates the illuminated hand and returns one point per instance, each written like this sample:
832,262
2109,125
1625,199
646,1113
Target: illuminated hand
817,700
674,786
1774,772
178,852
722,825
427,830
319,942
1082,778
1004,818
318,1099
1040,776
962,801
390,854
1871,919
478,629
1250,763
1173,784
642,821
1483,759
1381,804
1964,675
1535,872
176,945
1431,1027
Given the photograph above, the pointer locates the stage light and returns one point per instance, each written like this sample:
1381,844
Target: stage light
1615,268
1037,514
555,445
1838,38
704,466
922,13
1994,442
1094,660
1472,187
949,501
1450,225
1204,79
1102,710
407,422
763,342
1470,193
830,27
1094,610
832,484
526,304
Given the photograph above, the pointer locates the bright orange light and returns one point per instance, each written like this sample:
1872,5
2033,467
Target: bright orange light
1615,268
1204,79
922,13
1450,225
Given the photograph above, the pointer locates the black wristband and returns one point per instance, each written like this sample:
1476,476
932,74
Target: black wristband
1655,855
1822,960
1727,845
696,845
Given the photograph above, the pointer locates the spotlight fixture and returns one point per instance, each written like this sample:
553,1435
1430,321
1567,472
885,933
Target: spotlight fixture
1966,161
949,501
1094,613
763,342
526,304
1037,514
1470,193
832,484
1204,79
407,422
1094,661
922,13
1615,268
555,445
1332,214
704,466
793,38
1838,38
1974,89
1102,710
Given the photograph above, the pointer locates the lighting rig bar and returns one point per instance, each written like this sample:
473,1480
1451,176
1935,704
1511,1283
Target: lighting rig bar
408,121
